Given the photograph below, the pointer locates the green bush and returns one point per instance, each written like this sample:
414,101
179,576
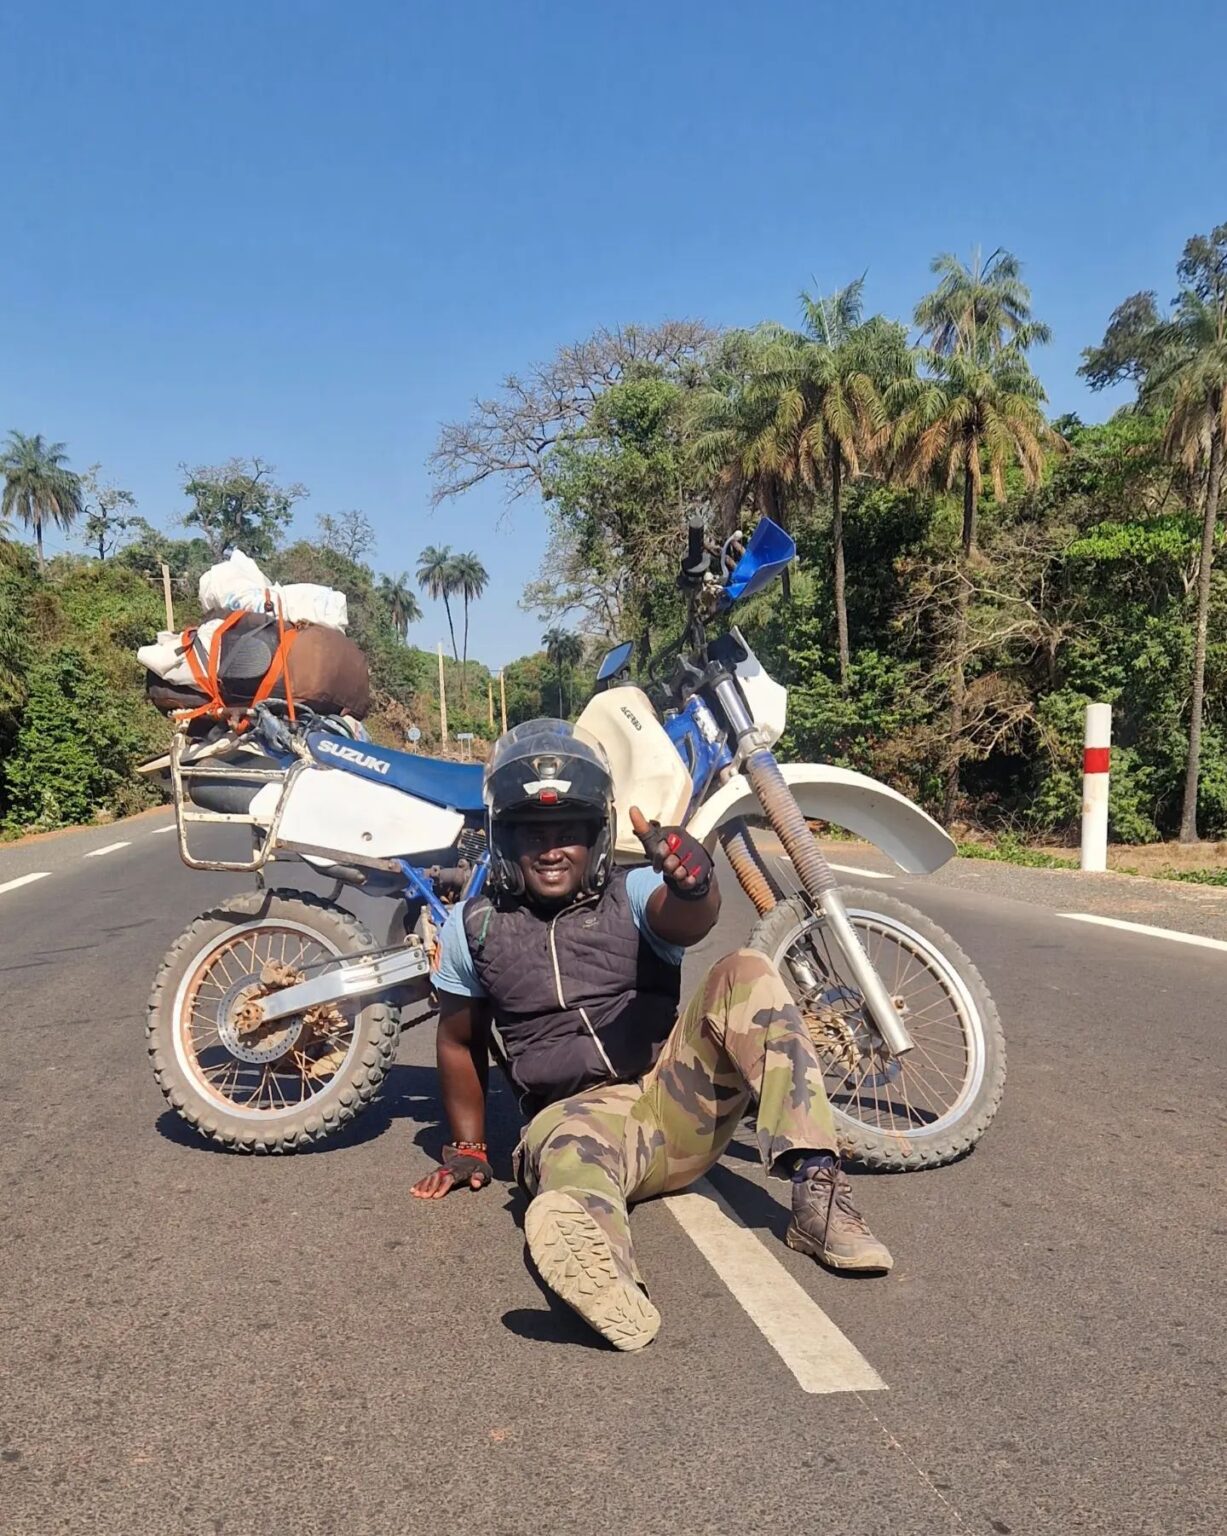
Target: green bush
76,744
1140,787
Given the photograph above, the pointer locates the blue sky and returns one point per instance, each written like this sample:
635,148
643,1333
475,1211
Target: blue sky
314,231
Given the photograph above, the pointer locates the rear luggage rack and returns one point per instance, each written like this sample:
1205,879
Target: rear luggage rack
198,770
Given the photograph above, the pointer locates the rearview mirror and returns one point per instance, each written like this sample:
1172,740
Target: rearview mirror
615,665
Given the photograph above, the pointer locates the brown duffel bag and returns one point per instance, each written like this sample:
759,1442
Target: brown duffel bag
327,671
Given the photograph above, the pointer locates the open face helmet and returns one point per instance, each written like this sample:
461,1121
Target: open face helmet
541,770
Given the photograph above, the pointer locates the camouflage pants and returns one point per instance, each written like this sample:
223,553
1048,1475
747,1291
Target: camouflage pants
740,1038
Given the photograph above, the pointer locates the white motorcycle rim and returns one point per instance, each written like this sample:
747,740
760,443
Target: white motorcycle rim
205,1041
927,978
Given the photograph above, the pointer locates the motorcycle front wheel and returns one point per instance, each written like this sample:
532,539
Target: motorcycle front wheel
931,1105
272,1087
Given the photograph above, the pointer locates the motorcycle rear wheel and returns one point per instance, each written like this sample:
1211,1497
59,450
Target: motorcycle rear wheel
279,1087
931,1105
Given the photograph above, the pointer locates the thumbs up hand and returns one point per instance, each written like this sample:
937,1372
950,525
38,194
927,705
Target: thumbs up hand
681,859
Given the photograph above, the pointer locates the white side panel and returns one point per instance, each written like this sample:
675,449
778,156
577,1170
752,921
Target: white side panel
851,800
346,814
767,699
647,770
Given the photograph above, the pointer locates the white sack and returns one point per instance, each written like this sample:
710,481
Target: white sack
234,583
166,657
239,583
306,603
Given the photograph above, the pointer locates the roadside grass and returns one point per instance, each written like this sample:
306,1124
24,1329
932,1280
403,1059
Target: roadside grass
1152,863
1009,849
1190,876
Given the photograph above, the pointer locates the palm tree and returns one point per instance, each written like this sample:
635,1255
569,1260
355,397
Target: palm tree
402,604
38,485
978,307
470,577
732,422
805,412
832,417
1193,375
437,577
963,417
978,403
839,413
564,650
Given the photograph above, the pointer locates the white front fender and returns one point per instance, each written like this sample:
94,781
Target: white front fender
862,805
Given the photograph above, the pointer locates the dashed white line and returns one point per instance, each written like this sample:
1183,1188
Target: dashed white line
853,869
158,831
1155,933
806,1340
97,853
11,885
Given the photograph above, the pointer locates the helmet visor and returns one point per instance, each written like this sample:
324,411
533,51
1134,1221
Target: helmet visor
546,739
547,765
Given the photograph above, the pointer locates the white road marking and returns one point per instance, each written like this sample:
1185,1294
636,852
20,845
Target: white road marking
855,869
11,885
1155,933
97,853
846,869
795,1326
158,831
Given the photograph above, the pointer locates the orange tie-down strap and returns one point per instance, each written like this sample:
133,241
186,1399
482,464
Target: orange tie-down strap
208,681
279,666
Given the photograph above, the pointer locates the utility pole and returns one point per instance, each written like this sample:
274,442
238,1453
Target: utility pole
442,700
490,688
170,607
502,693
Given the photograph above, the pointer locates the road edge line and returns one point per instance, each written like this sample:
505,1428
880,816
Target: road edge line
1174,934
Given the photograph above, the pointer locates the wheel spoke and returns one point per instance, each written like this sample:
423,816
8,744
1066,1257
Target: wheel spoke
956,1085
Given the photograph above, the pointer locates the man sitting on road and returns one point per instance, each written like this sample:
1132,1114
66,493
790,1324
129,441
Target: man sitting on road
579,966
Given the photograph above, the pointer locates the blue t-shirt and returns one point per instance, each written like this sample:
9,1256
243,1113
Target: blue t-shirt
456,973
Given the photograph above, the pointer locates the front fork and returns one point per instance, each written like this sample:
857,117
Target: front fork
818,881
815,874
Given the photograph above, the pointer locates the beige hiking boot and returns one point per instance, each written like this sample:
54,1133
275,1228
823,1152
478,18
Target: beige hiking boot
573,1257
827,1225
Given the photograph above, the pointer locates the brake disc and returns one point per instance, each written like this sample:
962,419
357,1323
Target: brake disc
243,1031
833,1035
248,1036
839,1027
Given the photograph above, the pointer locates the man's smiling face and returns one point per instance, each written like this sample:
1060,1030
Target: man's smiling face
553,854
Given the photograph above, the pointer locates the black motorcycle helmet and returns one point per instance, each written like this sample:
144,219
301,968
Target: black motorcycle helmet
543,769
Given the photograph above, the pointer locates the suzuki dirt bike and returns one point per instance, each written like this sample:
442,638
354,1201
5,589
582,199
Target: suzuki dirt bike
275,1017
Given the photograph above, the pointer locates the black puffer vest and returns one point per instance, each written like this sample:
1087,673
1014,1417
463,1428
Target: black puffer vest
579,997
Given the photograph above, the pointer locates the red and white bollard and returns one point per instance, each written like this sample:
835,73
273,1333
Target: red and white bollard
1096,755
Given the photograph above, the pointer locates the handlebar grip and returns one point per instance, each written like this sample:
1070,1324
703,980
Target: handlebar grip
697,562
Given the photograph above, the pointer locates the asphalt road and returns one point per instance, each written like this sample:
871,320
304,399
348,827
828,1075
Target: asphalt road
203,1343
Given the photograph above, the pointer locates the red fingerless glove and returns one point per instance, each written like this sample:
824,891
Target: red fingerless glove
465,1163
695,861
